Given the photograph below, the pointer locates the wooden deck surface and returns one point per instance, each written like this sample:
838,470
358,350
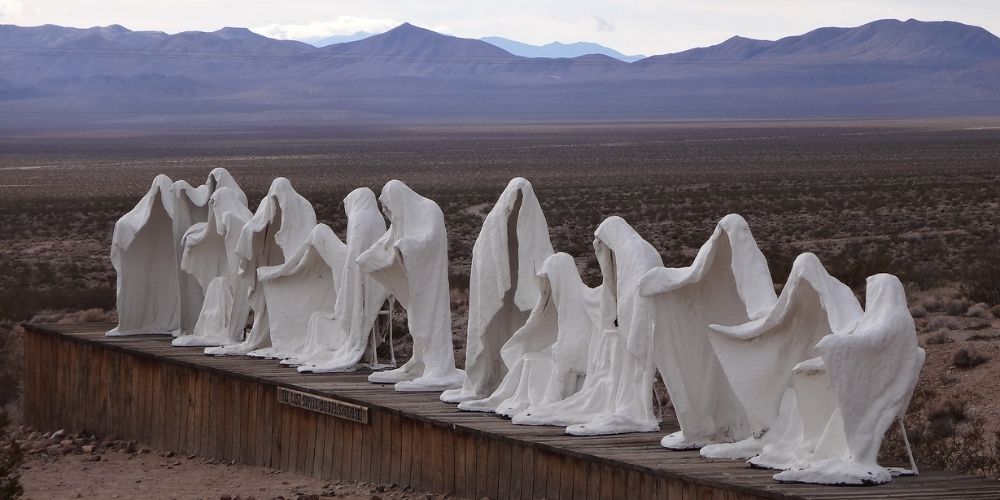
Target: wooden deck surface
509,456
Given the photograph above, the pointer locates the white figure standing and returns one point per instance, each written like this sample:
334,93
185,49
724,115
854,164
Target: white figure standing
617,393
150,301
338,341
280,226
873,371
547,358
759,357
511,247
304,285
210,257
411,260
727,284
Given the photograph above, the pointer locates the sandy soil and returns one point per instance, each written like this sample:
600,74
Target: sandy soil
77,466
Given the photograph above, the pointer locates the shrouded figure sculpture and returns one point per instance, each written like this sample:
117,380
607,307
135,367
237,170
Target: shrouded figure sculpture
142,253
759,357
149,299
727,284
616,396
547,358
411,260
337,341
190,208
282,223
304,285
872,369
510,249
210,257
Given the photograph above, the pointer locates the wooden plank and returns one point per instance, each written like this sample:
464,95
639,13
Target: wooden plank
554,473
503,471
364,472
470,473
527,473
449,457
406,453
265,424
319,445
434,458
482,467
357,437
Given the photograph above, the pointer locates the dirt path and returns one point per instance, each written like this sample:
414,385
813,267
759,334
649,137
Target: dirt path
78,466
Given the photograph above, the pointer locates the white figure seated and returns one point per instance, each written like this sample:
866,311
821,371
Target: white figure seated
411,260
758,357
210,257
547,358
337,340
872,370
617,393
282,223
190,208
304,285
727,284
153,295
512,244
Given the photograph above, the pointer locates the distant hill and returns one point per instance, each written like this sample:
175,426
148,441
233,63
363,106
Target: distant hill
557,49
888,41
335,39
70,77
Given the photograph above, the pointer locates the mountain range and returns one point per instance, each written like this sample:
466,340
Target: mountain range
68,77
557,49
553,50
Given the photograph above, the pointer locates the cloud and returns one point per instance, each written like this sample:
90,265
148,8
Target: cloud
11,9
317,30
602,24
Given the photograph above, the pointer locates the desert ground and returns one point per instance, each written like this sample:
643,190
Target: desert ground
919,199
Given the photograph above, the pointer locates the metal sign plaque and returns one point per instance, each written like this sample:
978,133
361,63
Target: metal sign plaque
327,406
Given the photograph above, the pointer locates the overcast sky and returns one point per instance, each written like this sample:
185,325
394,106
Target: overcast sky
631,26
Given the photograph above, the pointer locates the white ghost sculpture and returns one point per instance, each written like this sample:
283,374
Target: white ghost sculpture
338,341
510,249
617,393
210,257
191,207
304,285
149,301
547,358
873,370
727,284
758,357
142,254
411,260
282,223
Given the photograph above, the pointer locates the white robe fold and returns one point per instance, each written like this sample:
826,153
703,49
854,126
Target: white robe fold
282,223
873,371
411,260
209,257
510,249
547,358
759,357
727,284
616,396
304,285
338,341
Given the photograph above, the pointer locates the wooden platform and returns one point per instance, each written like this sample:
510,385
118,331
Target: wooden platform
227,408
